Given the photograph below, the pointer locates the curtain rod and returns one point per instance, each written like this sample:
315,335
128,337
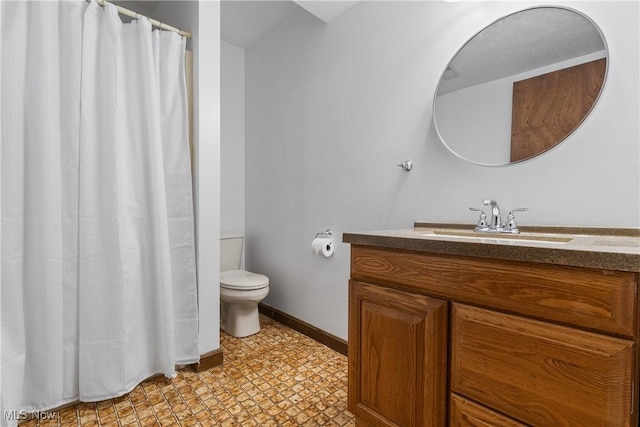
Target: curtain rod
136,15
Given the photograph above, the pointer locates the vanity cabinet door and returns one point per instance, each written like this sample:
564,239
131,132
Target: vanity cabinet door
539,373
397,357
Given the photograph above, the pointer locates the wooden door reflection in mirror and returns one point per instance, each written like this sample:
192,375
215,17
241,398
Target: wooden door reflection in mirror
547,108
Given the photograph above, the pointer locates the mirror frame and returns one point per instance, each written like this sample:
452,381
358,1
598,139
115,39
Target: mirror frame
574,130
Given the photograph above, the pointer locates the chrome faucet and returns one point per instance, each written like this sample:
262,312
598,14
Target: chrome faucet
495,222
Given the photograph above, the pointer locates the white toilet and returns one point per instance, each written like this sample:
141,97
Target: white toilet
240,291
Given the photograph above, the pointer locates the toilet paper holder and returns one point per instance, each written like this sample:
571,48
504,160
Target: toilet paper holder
322,244
324,234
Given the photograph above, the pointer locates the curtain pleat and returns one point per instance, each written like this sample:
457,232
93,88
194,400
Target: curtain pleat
40,121
98,259
170,69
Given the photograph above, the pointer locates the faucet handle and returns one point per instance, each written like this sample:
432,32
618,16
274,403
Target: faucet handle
478,210
517,210
482,221
511,225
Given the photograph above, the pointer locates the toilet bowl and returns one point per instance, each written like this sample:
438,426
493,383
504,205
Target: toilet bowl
240,291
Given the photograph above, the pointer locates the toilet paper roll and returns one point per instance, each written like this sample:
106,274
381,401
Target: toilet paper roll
327,249
322,246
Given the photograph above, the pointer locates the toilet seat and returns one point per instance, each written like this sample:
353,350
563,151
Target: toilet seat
242,280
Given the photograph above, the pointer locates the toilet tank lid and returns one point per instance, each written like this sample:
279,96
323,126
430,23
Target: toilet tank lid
242,280
237,235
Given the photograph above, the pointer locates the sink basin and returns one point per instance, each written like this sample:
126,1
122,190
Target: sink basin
495,237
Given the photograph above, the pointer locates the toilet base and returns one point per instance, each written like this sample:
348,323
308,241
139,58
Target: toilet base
240,319
239,310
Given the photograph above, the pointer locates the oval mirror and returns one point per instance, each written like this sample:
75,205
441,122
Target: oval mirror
520,86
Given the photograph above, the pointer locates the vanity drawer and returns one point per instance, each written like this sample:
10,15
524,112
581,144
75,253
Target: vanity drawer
539,373
589,298
465,413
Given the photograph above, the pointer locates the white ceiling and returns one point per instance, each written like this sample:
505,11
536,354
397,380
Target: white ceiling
243,22
326,10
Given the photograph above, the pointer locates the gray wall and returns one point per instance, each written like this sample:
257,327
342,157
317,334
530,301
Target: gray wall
332,108
232,139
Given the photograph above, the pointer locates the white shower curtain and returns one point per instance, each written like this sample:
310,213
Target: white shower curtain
98,261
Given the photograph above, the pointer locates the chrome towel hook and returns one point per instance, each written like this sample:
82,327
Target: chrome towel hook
407,165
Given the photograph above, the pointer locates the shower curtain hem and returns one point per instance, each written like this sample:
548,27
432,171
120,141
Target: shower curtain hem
93,399
127,388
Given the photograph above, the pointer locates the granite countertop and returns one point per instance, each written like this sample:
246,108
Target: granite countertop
605,248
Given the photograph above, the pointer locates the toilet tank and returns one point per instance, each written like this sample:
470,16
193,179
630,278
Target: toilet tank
230,251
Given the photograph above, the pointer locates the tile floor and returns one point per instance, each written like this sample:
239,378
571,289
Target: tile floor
277,377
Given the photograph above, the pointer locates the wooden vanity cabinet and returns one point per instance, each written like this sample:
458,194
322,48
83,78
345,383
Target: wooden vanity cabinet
442,340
